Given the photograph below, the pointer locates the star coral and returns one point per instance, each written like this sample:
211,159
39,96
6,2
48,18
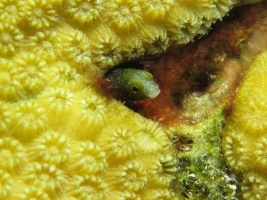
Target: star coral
60,136
245,132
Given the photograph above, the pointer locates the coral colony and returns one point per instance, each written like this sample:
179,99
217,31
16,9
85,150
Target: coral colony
63,137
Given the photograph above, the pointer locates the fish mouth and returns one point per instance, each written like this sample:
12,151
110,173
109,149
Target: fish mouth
153,92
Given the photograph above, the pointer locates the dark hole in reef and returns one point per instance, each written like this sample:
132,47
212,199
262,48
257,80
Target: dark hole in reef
177,98
183,163
182,143
201,81
194,80
134,64
186,188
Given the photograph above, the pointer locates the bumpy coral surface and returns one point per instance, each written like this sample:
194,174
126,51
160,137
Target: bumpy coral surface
244,136
59,136
245,139
194,99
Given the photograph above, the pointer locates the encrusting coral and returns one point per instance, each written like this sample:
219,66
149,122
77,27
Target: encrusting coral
245,139
60,137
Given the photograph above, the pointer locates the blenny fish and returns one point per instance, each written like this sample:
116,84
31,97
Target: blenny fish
136,84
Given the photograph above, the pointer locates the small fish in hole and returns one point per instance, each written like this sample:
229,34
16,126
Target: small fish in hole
134,84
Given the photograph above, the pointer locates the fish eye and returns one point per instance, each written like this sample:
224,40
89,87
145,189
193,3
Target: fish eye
135,89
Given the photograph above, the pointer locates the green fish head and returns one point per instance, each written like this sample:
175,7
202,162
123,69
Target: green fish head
142,86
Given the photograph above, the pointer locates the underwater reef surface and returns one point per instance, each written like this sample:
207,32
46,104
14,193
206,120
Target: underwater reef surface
245,134
61,137
244,137
198,86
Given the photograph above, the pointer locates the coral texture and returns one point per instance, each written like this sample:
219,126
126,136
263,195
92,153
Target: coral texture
245,139
195,100
59,136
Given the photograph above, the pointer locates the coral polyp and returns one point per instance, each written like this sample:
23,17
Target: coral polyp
83,12
14,153
126,16
38,14
28,120
51,147
157,11
10,37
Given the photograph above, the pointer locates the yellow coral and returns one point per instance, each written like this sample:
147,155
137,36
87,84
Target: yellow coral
28,120
39,14
6,184
83,12
10,38
61,138
156,11
245,138
13,153
8,11
120,144
4,118
46,176
254,187
125,15
52,147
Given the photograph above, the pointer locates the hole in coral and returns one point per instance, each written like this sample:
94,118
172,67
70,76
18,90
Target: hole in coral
183,163
182,143
178,98
198,78
201,81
